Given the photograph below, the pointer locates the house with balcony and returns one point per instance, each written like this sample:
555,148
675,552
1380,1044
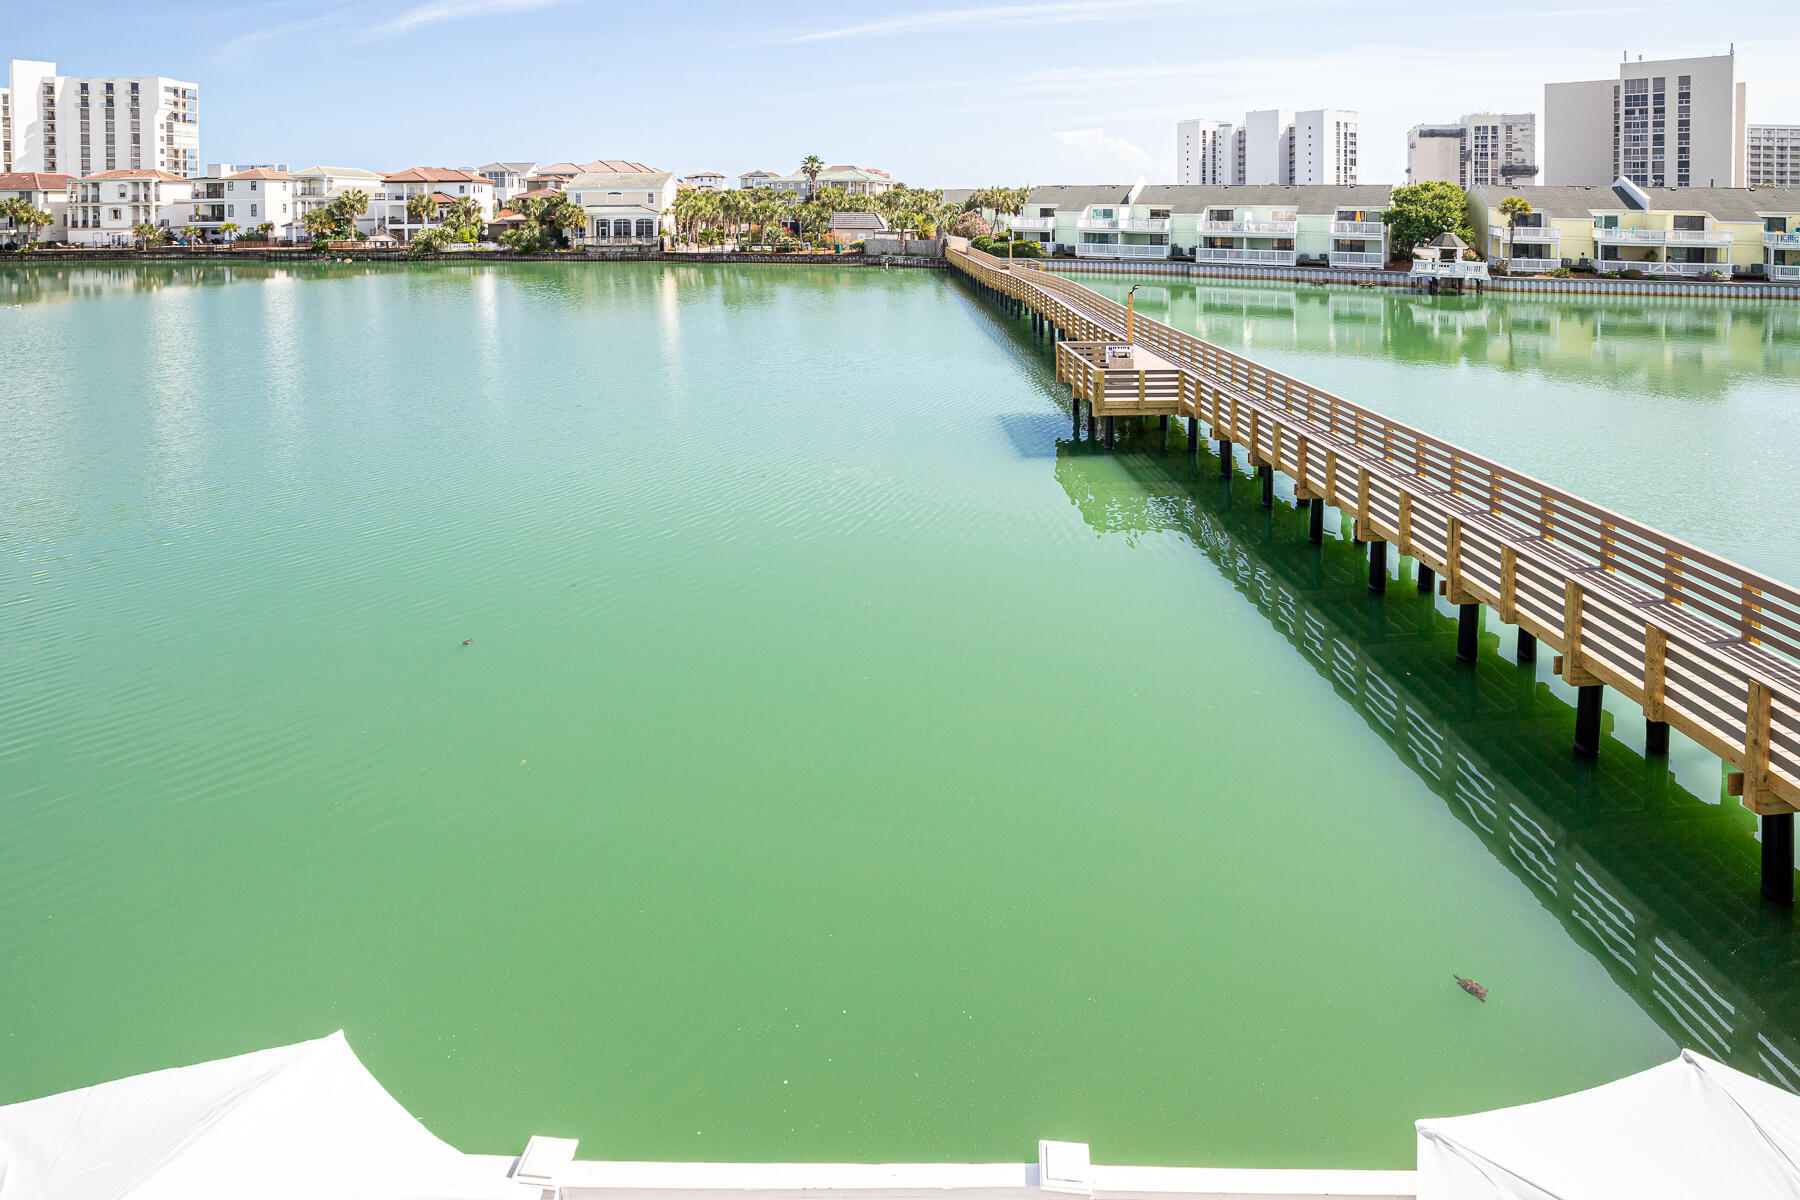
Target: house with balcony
624,207
46,191
851,180
247,199
446,183
1249,225
316,187
104,209
1692,232
508,178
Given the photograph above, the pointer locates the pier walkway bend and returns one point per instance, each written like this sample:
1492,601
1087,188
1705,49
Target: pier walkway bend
1703,645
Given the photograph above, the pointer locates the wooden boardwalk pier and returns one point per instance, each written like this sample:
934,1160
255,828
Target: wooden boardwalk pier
1701,644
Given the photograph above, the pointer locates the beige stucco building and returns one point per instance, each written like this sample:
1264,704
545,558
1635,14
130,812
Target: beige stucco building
1676,122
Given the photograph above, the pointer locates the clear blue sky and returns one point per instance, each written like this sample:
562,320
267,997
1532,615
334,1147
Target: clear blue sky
938,94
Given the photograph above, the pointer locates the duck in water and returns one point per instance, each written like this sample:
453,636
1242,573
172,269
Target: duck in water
1468,985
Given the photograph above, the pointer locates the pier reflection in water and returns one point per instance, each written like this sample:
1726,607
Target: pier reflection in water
1645,874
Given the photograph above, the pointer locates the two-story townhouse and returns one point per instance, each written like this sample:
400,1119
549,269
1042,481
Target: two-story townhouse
315,187
105,209
852,181
624,206
447,184
1671,232
704,181
46,191
1092,221
755,179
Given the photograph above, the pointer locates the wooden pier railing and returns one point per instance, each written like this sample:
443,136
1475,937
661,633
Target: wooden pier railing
1702,644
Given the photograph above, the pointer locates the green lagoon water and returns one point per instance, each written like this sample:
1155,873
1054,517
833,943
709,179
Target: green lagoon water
847,763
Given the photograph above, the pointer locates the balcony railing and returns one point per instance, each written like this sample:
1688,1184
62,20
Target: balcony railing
1669,269
1258,258
1781,239
1119,250
1357,229
1125,224
1526,233
1357,258
1633,237
1249,228
1034,224
1699,237
1784,273
1530,266
1446,268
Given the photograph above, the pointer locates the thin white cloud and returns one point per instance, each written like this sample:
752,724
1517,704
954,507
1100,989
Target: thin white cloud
245,40
454,10
1094,154
1007,16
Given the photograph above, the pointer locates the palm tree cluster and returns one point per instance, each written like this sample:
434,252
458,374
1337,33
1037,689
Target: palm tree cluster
1002,202
552,221
336,221
714,218
22,213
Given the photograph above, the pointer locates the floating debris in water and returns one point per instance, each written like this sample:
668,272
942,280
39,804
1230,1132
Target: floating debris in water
468,641
1470,986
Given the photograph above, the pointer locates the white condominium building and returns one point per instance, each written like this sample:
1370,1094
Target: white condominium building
1480,148
105,209
1773,156
87,125
1205,152
1273,145
1674,123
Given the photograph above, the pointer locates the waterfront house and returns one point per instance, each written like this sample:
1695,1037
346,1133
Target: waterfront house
755,179
247,199
446,183
1690,232
508,178
624,206
558,175
704,181
1268,225
850,227
47,191
103,209
315,187
852,181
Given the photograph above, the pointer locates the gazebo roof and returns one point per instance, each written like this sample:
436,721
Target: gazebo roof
1448,241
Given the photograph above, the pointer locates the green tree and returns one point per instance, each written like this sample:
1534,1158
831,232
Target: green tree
21,211
1512,208
421,209
349,204
1006,202
229,230
810,166
320,222
1419,212
464,216
432,240
570,220
147,235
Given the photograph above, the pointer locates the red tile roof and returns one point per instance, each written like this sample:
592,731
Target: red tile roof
434,175
33,181
139,173
538,193
260,173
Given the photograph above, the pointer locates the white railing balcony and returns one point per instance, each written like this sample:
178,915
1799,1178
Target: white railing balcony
1527,234
1780,240
1249,228
1699,237
1448,268
1034,224
1124,224
1784,272
1119,250
1253,258
1357,258
1687,270
1531,266
1629,237
1357,229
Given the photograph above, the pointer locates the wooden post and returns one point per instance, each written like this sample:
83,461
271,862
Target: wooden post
1656,711
1405,543
1509,584
1331,494
1574,671
1365,531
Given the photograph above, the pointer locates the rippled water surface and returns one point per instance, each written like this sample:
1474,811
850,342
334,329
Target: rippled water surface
846,763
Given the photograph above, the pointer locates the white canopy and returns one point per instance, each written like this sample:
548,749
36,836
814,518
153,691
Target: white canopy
1689,1128
294,1123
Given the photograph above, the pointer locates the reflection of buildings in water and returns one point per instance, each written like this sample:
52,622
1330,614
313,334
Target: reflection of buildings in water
1657,884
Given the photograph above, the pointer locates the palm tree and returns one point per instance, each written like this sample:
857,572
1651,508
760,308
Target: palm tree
228,229
145,233
1512,208
20,211
1007,202
570,219
351,203
421,207
465,215
810,166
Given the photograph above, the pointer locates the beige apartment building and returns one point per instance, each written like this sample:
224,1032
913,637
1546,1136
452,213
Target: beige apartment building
1772,155
1480,148
1675,122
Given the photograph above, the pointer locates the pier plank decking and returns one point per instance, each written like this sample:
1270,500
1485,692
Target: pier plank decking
1701,644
